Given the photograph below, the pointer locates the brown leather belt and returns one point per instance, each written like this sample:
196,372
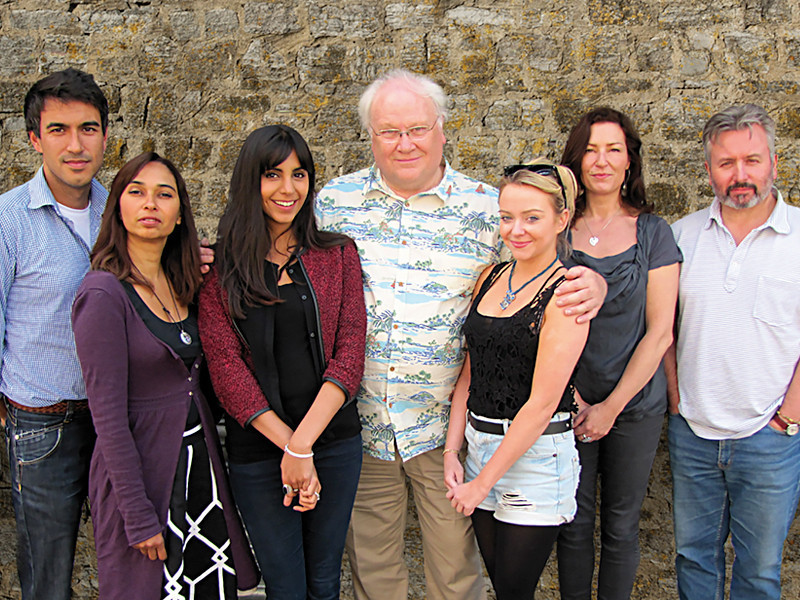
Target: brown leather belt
497,428
59,408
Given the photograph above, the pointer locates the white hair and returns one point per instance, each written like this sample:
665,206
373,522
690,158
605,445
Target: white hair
419,84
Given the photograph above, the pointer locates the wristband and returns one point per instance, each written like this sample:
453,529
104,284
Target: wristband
297,454
446,450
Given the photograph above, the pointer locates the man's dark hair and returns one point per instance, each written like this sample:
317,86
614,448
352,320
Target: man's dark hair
69,85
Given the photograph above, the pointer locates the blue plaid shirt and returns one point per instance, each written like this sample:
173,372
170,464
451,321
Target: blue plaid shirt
42,263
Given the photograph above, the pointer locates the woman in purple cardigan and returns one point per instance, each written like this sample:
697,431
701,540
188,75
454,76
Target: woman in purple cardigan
164,522
282,319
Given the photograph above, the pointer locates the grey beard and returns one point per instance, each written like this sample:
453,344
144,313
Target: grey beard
757,198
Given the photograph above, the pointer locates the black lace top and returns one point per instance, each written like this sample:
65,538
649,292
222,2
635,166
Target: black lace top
502,353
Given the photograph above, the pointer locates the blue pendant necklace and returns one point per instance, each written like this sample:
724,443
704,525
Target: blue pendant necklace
511,293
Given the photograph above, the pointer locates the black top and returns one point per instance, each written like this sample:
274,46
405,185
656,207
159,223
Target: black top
622,321
502,352
169,333
290,356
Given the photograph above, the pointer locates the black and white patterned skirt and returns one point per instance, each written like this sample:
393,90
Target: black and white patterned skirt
199,565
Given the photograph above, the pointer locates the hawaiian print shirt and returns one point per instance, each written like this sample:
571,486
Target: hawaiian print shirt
420,259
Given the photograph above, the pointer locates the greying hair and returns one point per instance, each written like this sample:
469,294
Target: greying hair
549,185
737,118
419,84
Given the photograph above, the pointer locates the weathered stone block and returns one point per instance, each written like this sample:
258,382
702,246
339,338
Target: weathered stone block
19,57
695,63
406,16
685,117
345,19
475,152
503,115
480,17
270,18
655,54
751,52
322,63
57,20
221,21
184,25
605,50
618,12
62,51
668,198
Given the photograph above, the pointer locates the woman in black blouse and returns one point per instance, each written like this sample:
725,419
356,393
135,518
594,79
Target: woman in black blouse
513,398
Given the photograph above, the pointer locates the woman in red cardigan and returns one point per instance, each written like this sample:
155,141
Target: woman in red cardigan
283,324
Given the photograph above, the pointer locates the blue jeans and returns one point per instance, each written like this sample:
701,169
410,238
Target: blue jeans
300,554
49,457
746,488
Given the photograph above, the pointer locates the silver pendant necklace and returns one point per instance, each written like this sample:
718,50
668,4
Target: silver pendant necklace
595,239
183,335
511,293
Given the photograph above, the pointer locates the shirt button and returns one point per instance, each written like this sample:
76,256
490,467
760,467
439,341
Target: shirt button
404,242
313,334
395,326
291,271
400,284
190,378
191,393
391,368
303,297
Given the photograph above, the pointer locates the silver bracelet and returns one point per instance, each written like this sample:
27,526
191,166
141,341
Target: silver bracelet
297,454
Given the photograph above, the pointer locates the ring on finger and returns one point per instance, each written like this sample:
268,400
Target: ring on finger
316,495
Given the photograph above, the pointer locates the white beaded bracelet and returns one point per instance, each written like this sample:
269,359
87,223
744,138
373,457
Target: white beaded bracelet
297,454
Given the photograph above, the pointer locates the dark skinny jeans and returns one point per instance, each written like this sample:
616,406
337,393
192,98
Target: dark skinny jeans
622,461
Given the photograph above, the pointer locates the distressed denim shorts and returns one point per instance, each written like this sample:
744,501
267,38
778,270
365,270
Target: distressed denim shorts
538,489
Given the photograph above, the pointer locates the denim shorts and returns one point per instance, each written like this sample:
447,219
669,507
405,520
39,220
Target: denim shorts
539,488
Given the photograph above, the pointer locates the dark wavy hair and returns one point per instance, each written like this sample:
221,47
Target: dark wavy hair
69,85
244,239
575,148
181,256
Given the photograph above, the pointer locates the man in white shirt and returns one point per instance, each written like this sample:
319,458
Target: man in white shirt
734,390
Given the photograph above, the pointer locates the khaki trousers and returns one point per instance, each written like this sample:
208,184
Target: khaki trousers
375,541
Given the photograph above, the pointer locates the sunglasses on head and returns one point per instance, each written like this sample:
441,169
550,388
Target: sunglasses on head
546,170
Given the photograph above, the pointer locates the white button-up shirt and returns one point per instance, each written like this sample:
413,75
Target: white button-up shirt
738,322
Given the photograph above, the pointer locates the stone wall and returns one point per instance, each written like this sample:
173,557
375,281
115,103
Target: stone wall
192,79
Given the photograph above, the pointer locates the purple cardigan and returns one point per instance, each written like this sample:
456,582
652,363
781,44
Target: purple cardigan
139,392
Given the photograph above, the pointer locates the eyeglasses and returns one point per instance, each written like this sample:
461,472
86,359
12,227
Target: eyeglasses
414,133
546,170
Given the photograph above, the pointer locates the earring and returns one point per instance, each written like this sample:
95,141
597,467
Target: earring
625,183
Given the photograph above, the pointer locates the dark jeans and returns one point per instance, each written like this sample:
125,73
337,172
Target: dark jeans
622,460
300,554
49,457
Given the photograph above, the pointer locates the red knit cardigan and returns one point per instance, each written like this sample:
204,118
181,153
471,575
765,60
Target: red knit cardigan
335,276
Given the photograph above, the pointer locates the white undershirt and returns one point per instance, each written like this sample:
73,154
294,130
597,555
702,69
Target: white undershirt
80,221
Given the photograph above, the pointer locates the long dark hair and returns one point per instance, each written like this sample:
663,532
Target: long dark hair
181,256
244,238
575,148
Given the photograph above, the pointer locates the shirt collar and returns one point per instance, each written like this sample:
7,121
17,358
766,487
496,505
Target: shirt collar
443,190
41,195
778,219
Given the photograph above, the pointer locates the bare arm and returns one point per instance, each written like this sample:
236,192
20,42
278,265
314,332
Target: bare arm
662,294
453,469
561,342
582,294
